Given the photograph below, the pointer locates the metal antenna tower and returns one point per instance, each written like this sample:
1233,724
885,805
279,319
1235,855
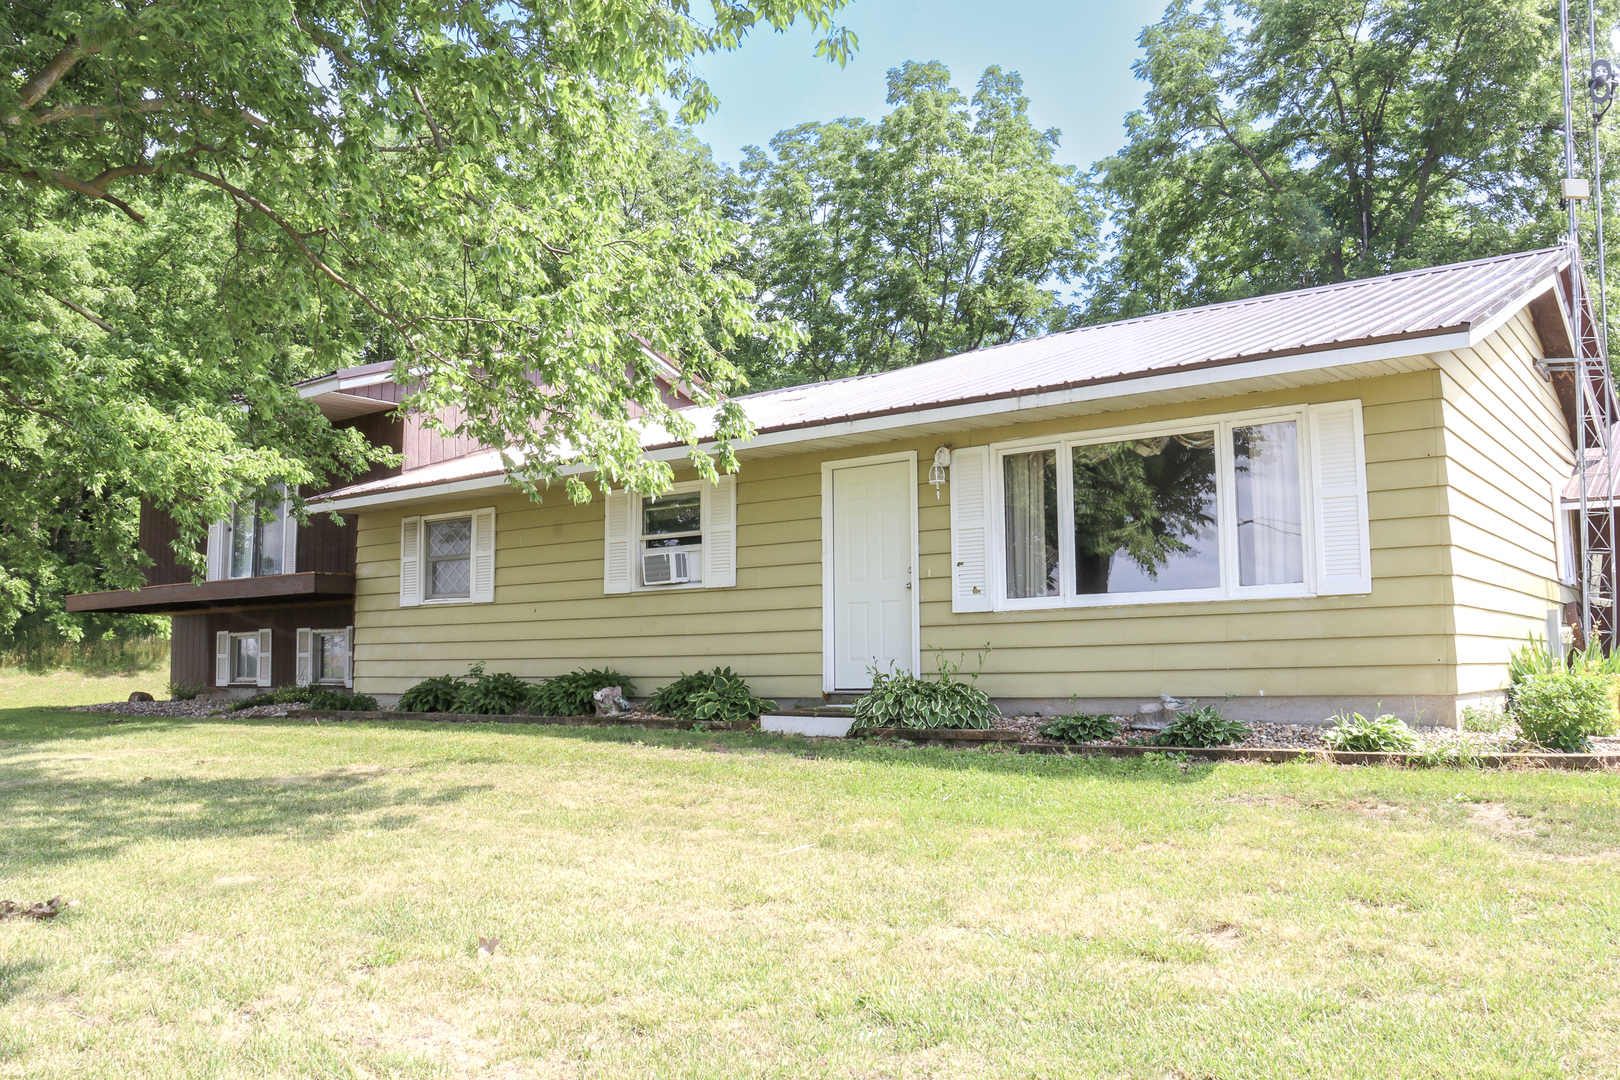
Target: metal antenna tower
1594,383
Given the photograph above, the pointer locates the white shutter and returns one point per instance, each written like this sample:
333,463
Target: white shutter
222,658
264,658
616,577
289,538
348,669
720,534
970,529
410,562
304,667
482,590
218,550
1343,559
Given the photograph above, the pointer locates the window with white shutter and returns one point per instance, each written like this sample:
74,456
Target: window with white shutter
303,672
616,576
264,678
970,524
222,658
410,562
482,589
1343,556
685,538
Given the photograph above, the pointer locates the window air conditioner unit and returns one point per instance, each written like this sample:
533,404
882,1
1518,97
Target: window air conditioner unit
667,567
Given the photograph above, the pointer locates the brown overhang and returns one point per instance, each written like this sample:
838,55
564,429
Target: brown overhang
209,595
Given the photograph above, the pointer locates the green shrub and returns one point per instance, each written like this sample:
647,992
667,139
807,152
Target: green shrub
571,694
316,697
1531,660
898,699
338,700
186,691
1082,727
1387,734
499,693
437,694
728,701
676,699
1202,727
1562,711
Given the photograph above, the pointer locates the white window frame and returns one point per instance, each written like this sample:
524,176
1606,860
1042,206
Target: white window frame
314,651
1225,502
638,504
237,679
427,562
221,537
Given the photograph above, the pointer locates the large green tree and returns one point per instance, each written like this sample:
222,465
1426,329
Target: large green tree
201,200
940,228
1287,143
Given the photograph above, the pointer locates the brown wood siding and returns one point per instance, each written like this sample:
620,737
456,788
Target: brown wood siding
157,534
326,546
191,657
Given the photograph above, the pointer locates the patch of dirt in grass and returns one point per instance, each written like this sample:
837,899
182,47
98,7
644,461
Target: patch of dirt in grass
1221,936
1287,801
1497,818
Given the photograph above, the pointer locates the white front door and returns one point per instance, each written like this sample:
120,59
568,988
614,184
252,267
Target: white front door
873,615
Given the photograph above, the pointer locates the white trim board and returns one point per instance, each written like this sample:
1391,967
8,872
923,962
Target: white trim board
828,616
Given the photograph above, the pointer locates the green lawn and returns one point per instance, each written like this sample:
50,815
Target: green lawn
21,689
270,898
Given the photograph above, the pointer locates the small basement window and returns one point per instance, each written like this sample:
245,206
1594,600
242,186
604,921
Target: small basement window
245,658
329,655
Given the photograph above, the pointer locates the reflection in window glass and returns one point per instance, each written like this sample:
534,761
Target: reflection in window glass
244,657
243,530
1144,515
1271,541
256,539
331,657
673,520
1030,483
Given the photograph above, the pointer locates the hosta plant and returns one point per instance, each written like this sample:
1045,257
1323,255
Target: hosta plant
1081,727
573,694
1356,733
436,694
499,693
1202,727
899,699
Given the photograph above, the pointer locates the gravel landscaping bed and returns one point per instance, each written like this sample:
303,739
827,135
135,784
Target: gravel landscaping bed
193,709
1273,736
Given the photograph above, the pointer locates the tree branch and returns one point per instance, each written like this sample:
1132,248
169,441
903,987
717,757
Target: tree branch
438,136
13,272
60,65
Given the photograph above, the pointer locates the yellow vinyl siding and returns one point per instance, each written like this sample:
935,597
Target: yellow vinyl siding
550,614
1506,446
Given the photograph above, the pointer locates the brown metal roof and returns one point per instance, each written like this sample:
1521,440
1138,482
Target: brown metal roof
1408,306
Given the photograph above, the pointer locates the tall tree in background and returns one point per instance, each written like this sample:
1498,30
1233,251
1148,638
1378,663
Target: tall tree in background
203,199
1288,143
938,229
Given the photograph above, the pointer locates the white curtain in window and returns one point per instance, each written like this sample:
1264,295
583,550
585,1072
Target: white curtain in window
1271,541
1031,499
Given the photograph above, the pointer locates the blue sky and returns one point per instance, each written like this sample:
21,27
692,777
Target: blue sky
1075,59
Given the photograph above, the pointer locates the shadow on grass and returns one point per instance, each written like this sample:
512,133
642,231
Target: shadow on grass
47,819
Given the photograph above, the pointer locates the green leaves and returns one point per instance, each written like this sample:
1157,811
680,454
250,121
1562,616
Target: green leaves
935,230
203,201
1288,143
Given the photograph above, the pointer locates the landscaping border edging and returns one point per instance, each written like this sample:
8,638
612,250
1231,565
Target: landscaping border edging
1336,757
939,735
655,723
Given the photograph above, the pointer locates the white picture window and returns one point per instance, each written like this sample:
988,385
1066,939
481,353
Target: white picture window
255,539
329,655
1208,509
245,658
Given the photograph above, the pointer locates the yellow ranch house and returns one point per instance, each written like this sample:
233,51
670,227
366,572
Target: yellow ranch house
1343,497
